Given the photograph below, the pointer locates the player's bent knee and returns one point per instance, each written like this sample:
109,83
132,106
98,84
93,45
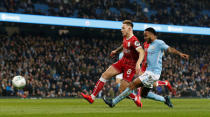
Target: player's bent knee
137,83
123,85
132,86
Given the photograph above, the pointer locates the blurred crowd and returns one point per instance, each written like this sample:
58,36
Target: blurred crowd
64,66
178,12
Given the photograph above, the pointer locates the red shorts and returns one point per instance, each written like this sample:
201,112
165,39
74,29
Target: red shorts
127,68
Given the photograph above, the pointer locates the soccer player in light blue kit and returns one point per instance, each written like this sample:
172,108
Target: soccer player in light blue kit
153,70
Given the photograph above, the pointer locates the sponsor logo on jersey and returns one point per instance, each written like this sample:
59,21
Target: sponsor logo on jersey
151,50
129,44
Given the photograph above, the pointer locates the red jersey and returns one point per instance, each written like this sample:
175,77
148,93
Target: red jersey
127,64
144,63
129,49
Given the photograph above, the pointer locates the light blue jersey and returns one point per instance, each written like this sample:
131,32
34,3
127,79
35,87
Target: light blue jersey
154,56
120,55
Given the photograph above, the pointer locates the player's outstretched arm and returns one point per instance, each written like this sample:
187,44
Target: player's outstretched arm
114,52
174,51
141,57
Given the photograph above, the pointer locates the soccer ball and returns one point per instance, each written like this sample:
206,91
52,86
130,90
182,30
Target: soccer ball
19,81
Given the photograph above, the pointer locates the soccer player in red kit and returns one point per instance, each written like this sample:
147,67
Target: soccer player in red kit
129,65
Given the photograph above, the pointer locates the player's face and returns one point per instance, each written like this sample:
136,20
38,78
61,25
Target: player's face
147,36
125,29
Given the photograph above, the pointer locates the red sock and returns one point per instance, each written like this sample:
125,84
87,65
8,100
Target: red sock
132,96
161,83
169,86
164,83
98,87
139,92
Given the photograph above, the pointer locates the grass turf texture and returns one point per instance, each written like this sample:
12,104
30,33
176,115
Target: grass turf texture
80,108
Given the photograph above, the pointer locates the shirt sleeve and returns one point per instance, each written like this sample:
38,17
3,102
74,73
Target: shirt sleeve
136,44
163,45
120,55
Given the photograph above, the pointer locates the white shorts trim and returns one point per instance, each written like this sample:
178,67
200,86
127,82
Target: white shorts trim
148,78
119,76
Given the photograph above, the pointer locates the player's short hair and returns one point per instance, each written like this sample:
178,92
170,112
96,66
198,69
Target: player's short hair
128,22
152,30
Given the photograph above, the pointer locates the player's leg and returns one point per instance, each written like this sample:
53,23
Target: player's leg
123,85
139,92
147,94
138,89
110,72
128,75
119,77
167,84
133,85
160,98
146,80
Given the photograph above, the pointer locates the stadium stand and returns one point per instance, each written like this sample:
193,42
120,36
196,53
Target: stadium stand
177,12
64,66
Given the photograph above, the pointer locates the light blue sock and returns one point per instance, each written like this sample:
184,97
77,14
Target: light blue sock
123,95
156,97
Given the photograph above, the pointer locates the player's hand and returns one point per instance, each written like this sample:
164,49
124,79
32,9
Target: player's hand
185,56
113,53
135,76
138,70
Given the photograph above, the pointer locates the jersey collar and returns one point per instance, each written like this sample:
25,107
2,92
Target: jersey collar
129,38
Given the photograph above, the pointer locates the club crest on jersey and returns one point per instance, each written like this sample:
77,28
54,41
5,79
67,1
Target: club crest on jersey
152,47
137,43
129,44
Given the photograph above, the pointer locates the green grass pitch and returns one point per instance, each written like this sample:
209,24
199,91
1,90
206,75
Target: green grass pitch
80,108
